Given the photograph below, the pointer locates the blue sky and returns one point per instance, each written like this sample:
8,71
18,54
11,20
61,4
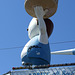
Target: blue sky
14,21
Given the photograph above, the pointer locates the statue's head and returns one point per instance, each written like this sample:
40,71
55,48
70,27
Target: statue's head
33,29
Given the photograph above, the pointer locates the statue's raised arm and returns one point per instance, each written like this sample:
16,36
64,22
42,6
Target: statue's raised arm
39,12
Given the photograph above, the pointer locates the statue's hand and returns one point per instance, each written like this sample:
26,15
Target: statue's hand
39,12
